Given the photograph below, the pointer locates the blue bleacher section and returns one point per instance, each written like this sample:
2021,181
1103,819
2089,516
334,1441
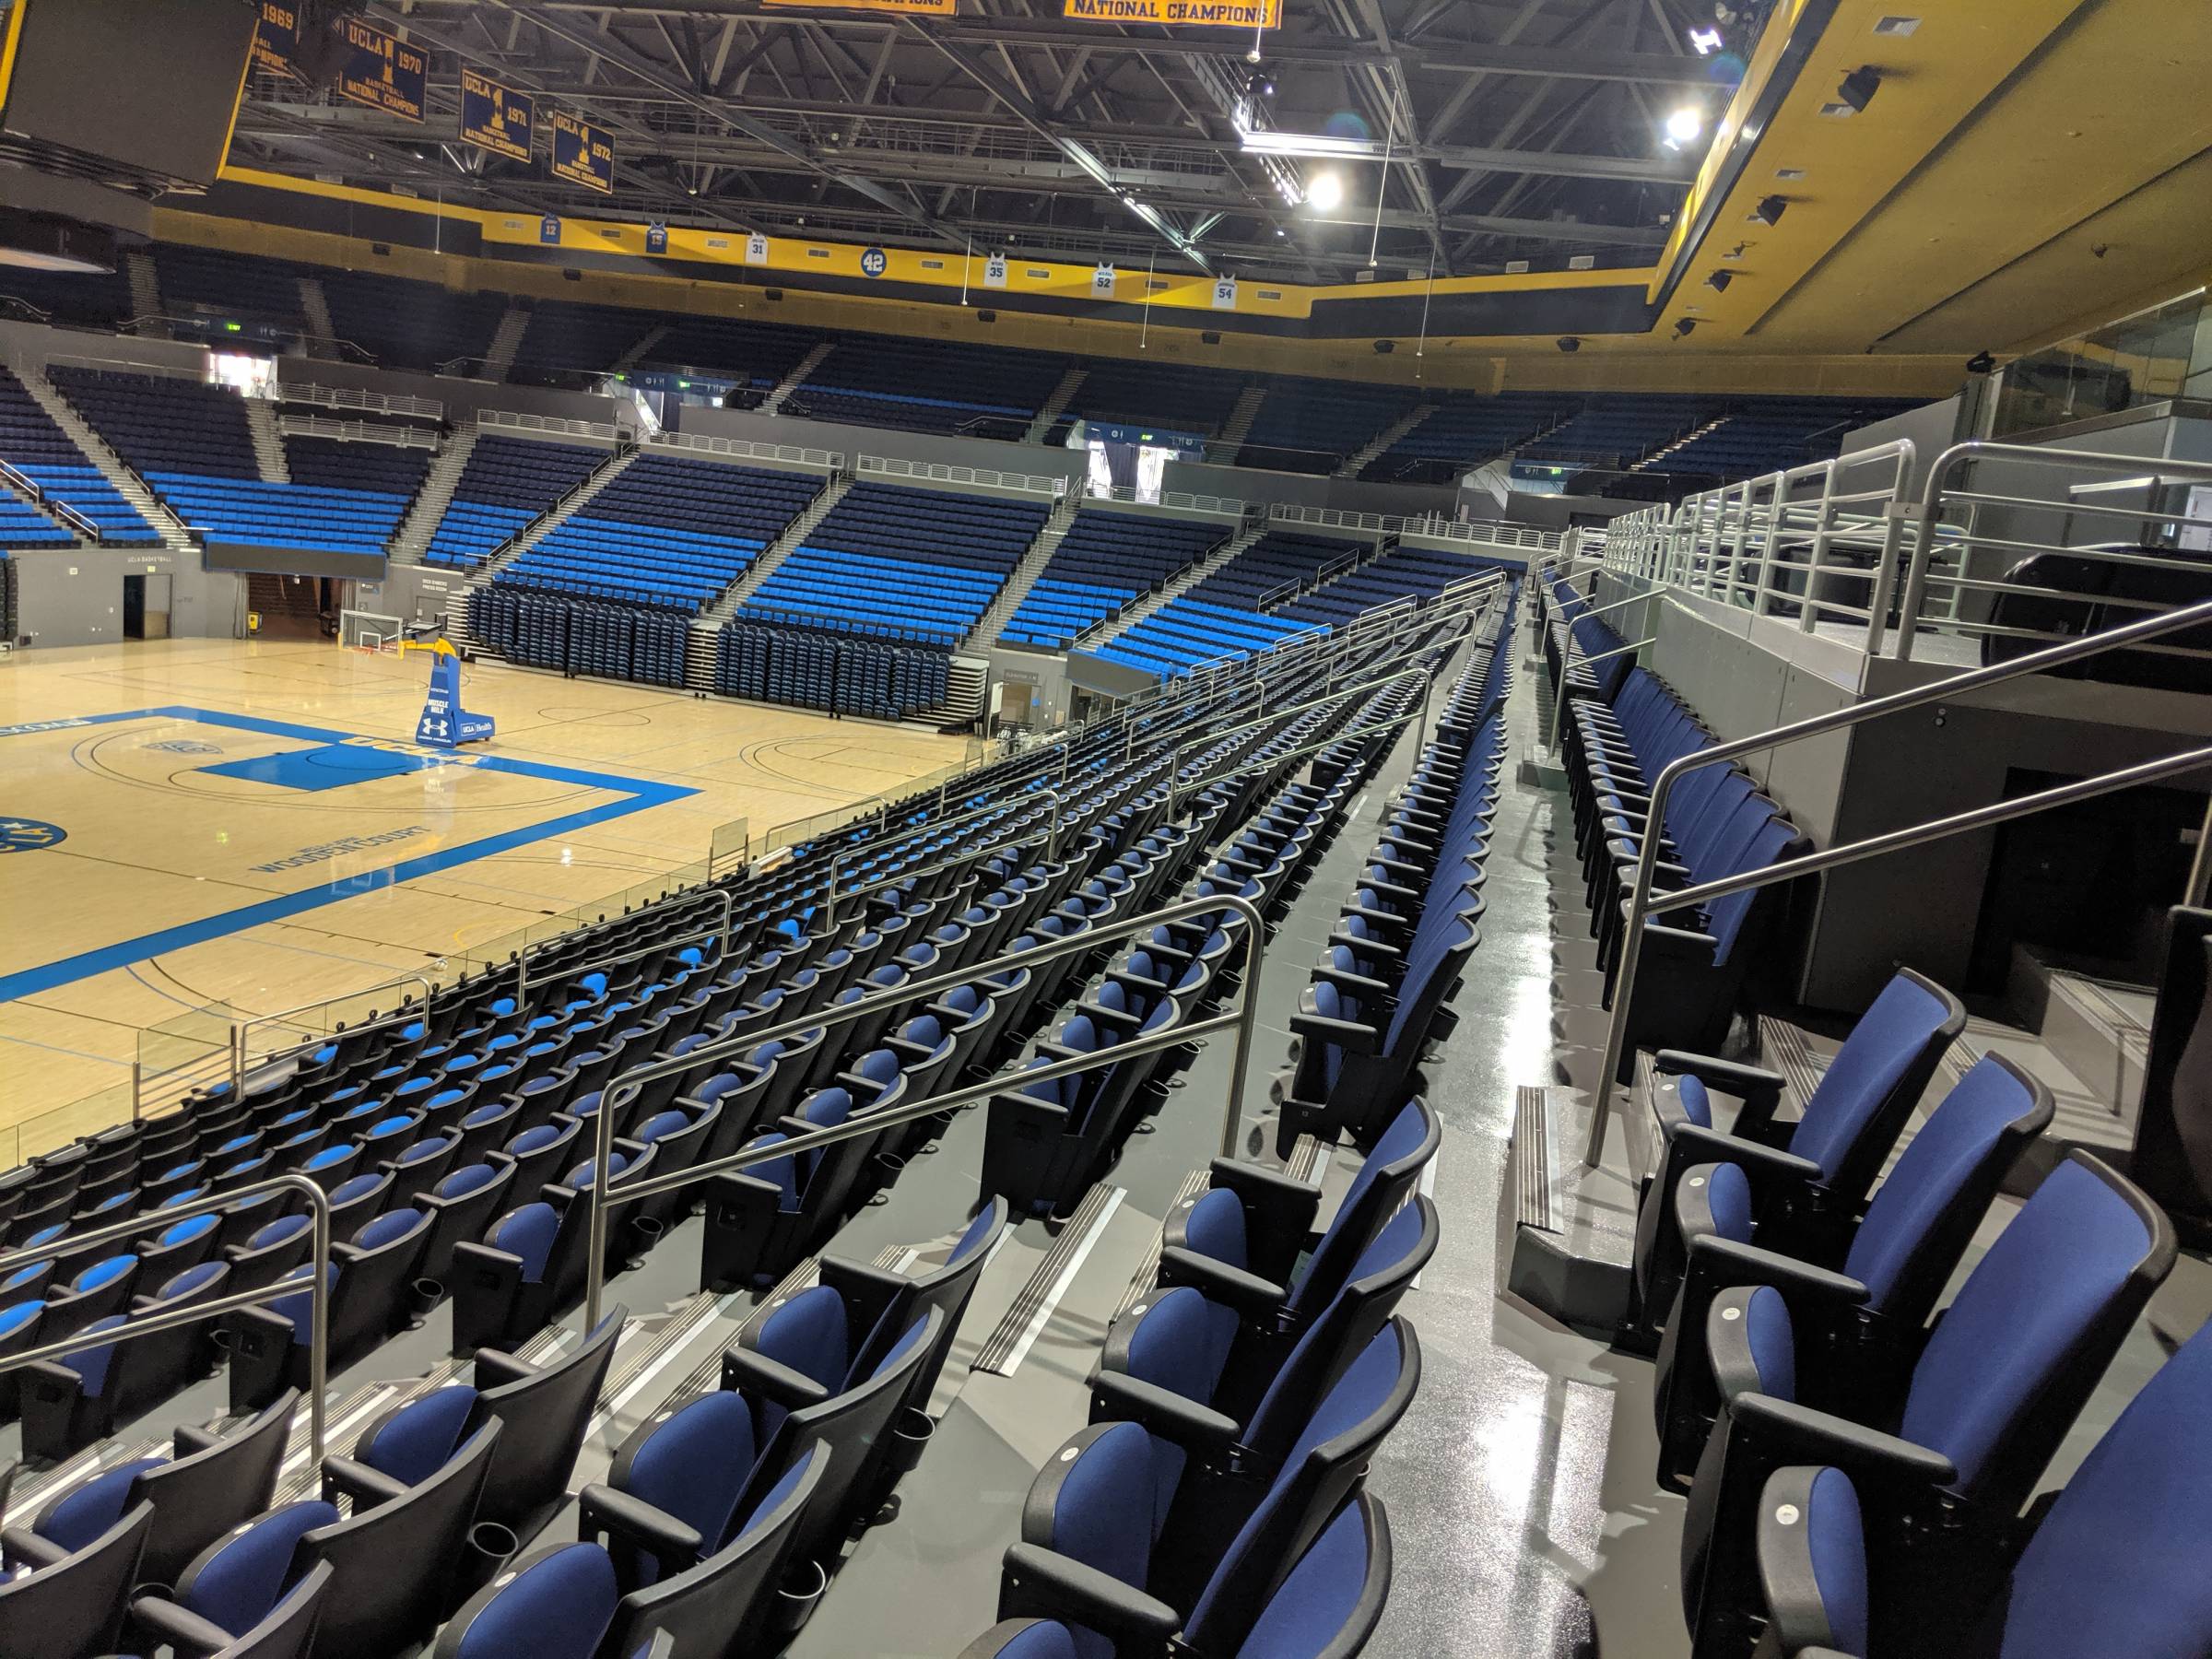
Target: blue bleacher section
23,526
1766,437
1173,396
234,284
667,531
606,639
1467,429
927,386
1311,425
1616,430
84,298
507,483
31,443
1105,560
565,341
1277,558
189,440
900,563
406,324
1418,572
815,670
1220,617
753,355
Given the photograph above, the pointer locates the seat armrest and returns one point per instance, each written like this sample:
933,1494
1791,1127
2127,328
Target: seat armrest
1770,1165
1785,1432
753,1372
603,1509
1723,1263
866,1289
1759,1088
174,1626
1254,1298
1199,1429
1289,1203
367,1487
24,1547
496,1369
1035,1582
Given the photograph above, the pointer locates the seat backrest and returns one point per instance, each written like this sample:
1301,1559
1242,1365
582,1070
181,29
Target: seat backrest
1854,1115
2122,1551
1328,1604
1377,1189
554,1603
1320,1471
692,1462
395,1563
2022,1345
210,1486
542,1418
288,1632
1927,1206
722,1604
1096,1502
75,1606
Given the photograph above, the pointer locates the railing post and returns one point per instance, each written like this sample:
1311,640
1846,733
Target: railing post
1823,526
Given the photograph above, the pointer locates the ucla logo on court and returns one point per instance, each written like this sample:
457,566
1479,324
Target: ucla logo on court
30,835
873,263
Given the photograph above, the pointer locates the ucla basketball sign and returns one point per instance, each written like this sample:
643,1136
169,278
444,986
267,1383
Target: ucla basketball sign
30,835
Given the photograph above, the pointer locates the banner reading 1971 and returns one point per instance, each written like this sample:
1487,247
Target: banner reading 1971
583,154
1178,14
382,71
494,116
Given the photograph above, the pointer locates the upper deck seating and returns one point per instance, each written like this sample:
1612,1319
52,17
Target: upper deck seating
928,386
1311,425
508,483
1103,562
407,325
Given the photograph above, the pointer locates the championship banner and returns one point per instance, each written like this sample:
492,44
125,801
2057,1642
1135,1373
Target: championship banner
1178,14
494,117
913,8
276,38
583,154
382,71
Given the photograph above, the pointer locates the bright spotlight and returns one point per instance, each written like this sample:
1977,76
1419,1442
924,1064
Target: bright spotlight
1683,125
1705,42
1325,191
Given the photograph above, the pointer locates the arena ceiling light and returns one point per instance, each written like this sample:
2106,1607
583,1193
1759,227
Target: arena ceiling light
1325,191
1683,126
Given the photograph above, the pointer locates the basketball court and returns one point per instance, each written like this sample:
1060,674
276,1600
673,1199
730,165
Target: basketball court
190,823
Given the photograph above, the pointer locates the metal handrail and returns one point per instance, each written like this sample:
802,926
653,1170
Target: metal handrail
318,1340
1048,835
1640,893
1559,699
1980,448
1389,723
241,1029
1175,762
1241,1014
997,809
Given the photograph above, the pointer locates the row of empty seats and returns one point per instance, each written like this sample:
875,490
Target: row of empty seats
1401,573
810,669
1103,562
35,445
506,484
607,639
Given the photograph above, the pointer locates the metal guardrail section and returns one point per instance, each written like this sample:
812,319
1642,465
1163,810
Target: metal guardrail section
1643,904
349,397
1432,526
1782,544
23,483
932,472
242,1031
318,1289
551,426
1241,1016
357,431
1181,500
793,455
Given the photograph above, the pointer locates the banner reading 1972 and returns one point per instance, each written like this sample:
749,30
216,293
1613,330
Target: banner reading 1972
1178,14
495,117
583,154
382,71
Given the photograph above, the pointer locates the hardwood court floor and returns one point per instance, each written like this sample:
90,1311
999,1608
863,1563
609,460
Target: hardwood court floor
250,823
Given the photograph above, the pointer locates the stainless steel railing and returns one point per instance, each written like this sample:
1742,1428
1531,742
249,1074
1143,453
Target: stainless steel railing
1642,903
1241,1016
151,1324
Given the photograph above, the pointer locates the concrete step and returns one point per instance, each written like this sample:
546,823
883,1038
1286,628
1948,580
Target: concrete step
1380,443
435,496
268,443
797,378
1009,598
132,488
775,554
1113,627
506,340
1055,405
559,514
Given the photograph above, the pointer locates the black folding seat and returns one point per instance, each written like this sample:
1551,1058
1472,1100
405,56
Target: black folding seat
543,1412
367,1280
1326,1606
541,1152
394,1566
1095,1507
209,1484
680,1482
566,1601
1976,1418
73,1609
1810,1175
179,1245
95,1292
68,1403
2111,1565
1863,1312
460,1208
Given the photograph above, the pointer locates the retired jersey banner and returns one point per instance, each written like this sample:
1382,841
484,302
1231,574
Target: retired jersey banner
933,8
1178,14
494,116
583,154
276,38
382,71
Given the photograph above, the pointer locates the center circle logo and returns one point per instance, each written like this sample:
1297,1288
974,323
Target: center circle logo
873,263
29,835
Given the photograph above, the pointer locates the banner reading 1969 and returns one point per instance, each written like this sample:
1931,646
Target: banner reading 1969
276,38
1178,14
494,116
583,154
382,71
